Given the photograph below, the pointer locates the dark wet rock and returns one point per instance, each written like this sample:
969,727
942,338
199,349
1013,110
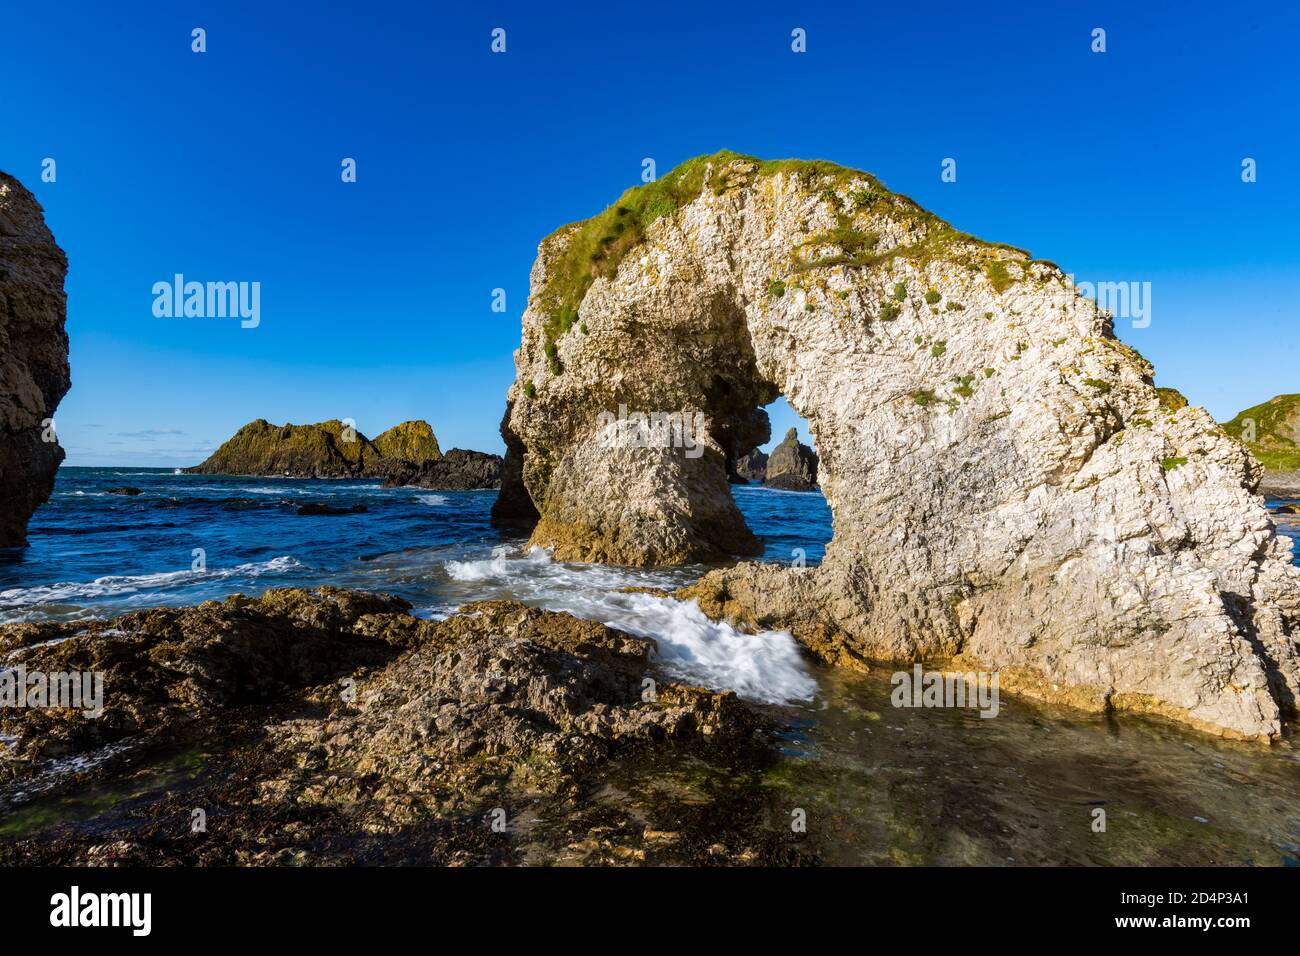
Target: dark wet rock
125,490
458,470
514,507
34,373
332,726
788,482
1287,509
751,467
792,466
313,508
165,667
499,690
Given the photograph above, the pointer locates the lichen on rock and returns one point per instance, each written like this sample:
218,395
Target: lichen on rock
410,441
332,449
996,461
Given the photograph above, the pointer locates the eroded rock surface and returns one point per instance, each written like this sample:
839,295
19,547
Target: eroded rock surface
792,465
458,470
331,449
1006,482
751,467
166,667
34,373
328,717
497,690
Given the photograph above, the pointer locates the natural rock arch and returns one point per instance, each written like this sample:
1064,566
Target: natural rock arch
1005,481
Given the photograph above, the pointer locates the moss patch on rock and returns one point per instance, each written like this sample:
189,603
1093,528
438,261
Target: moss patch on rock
412,440
596,247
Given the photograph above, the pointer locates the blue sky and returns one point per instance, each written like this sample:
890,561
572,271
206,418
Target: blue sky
376,295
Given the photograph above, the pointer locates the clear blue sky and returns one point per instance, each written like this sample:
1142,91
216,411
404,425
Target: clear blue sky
376,295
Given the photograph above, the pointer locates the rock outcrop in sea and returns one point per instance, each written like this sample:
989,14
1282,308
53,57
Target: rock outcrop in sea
329,449
410,441
1007,485
792,466
750,467
1271,430
458,470
34,374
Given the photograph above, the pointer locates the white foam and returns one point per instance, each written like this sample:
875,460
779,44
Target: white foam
431,499
115,585
766,667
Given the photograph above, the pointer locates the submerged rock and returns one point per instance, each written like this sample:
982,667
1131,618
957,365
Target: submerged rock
329,449
458,470
313,508
1006,482
792,465
34,373
125,490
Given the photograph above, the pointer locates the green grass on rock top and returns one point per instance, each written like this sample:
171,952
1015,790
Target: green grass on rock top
1271,430
597,246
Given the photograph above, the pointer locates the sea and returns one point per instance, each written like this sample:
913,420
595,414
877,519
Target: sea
892,785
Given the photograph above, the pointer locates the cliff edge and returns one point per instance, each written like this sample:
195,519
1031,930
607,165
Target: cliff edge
34,374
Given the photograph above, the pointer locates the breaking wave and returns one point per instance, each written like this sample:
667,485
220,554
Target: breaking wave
766,667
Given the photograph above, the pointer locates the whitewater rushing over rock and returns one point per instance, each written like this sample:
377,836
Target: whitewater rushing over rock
1007,483
146,586
763,667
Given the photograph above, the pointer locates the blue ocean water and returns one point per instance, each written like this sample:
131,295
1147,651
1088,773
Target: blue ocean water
190,538
94,553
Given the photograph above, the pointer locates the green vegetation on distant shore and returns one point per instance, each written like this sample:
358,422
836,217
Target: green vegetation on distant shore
1271,430
330,449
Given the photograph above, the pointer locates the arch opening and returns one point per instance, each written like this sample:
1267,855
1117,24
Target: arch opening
788,513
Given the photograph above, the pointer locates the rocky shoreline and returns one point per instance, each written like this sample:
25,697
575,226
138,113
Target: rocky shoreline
330,726
407,454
